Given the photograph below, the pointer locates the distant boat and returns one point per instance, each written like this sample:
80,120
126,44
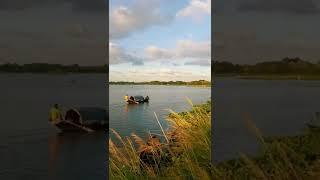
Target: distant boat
84,119
138,100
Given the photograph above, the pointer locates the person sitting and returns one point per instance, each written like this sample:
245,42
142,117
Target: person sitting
131,99
146,99
55,114
73,116
126,98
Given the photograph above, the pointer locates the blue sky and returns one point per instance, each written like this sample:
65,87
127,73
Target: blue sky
159,40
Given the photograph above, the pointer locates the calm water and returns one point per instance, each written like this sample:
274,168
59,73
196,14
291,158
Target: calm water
276,108
32,149
140,119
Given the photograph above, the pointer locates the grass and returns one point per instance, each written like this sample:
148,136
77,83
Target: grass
282,158
185,153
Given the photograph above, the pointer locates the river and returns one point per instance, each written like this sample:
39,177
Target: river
140,118
276,108
30,148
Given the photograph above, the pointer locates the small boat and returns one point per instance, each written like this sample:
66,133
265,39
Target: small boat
138,100
84,119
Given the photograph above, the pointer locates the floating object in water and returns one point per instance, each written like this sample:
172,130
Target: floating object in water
84,119
137,99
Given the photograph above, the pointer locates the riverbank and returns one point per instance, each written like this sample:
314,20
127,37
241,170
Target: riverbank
281,77
283,158
185,153
45,68
167,83
184,150
272,77
184,85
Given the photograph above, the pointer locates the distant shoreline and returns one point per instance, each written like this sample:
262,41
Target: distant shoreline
270,77
52,73
285,69
199,83
196,86
45,68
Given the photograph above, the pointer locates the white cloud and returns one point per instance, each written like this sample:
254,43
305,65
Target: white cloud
118,55
195,52
196,9
115,53
193,49
184,49
126,20
154,52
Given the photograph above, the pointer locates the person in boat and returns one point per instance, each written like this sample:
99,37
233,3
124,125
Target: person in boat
126,97
55,114
131,99
146,99
73,116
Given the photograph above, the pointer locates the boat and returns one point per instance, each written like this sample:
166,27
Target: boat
84,119
138,99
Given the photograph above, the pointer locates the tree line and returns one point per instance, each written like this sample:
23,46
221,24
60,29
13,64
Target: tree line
285,66
191,83
50,68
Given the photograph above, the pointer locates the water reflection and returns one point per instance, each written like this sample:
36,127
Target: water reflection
56,143
130,107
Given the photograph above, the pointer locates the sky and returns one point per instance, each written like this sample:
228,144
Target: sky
251,31
159,40
53,31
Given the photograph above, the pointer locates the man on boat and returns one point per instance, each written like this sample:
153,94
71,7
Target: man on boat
55,114
146,99
126,98
131,99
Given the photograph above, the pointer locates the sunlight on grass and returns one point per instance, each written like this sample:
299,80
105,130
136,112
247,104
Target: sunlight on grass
186,153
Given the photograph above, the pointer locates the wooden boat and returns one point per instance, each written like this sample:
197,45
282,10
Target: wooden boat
68,126
84,119
138,100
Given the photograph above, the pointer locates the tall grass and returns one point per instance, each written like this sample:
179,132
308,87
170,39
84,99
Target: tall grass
186,153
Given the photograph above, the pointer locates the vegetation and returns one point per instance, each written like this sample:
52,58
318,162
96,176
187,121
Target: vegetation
50,68
185,154
174,83
282,158
288,67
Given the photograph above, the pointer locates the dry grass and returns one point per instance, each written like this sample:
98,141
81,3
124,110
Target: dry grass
185,154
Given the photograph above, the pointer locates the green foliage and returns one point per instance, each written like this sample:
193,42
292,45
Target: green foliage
287,66
175,83
50,68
